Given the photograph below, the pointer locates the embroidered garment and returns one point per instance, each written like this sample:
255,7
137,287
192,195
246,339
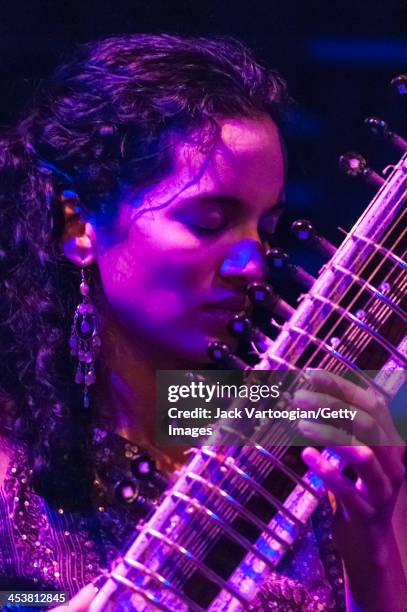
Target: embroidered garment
47,548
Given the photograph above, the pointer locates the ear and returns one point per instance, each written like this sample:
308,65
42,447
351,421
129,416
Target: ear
79,241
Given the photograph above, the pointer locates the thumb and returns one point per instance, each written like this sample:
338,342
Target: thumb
81,601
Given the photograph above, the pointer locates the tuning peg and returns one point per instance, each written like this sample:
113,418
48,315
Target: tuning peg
305,232
221,354
381,128
354,164
263,342
279,260
263,295
399,83
240,326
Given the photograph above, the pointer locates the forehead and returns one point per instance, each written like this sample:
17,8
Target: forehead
245,154
243,160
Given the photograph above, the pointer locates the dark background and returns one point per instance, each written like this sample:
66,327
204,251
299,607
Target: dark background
338,59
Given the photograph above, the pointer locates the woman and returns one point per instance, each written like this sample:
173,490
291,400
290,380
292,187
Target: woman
135,197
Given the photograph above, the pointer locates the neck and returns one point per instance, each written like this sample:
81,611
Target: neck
126,394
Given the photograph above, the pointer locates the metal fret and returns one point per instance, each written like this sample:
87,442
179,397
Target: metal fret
225,496
144,594
381,249
273,501
281,361
287,470
272,458
350,364
204,569
230,531
373,291
369,330
163,582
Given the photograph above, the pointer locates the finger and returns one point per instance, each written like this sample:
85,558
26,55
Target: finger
390,456
326,434
377,488
367,430
381,416
361,423
369,399
382,436
81,601
355,506
392,461
377,485
381,468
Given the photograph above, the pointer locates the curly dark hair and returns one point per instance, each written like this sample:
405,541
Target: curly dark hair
97,125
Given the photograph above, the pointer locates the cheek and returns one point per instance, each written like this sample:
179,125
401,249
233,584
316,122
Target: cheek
145,281
155,278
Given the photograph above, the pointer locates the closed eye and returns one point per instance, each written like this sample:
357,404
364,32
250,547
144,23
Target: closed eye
202,229
207,222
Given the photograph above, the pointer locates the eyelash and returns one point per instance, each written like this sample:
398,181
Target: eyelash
198,229
208,231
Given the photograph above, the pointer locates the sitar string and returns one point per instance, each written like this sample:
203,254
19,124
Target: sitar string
318,310
381,312
356,297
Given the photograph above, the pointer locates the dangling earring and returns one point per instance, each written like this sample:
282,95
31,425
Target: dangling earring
85,341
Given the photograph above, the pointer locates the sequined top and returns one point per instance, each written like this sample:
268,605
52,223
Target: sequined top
48,548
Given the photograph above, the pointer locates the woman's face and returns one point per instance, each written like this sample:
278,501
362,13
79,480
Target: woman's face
182,253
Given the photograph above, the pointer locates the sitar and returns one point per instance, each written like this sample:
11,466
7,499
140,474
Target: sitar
351,318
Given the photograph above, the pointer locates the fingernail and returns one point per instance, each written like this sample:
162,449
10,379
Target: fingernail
302,395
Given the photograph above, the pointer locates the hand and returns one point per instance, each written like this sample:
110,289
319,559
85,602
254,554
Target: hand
81,601
363,531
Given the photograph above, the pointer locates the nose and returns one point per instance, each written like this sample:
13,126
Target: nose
245,261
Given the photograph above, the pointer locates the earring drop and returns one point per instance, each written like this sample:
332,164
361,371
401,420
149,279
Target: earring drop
85,341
